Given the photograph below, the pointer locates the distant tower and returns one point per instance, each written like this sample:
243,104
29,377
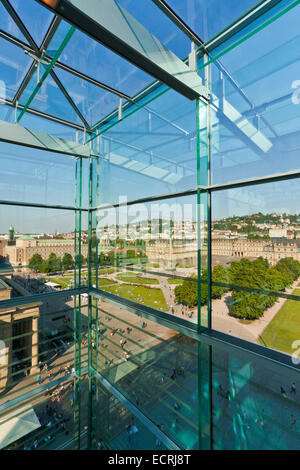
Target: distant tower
11,234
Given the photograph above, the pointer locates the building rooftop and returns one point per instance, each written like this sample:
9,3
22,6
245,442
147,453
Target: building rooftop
26,237
6,268
4,285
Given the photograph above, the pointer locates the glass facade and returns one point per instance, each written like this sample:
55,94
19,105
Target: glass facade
149,225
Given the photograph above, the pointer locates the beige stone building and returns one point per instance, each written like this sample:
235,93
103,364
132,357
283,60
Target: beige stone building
185,251
169,253
15,324
271,249
20,251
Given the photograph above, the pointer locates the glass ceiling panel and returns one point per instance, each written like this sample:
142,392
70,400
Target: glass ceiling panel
158,24
49,99
209,17
13,67
8,25
42,90
7,113
152,151
271,53
36,18
91,58
263,135
38,123
93,102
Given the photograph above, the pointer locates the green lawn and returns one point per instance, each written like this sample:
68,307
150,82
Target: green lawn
285,327
103,281
175,281
128,277
145,295
62,281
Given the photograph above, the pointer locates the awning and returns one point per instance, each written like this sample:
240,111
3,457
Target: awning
17,424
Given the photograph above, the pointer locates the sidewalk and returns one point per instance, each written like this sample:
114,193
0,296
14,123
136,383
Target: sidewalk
251,331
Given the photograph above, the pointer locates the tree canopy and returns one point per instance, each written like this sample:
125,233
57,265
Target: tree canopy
247,274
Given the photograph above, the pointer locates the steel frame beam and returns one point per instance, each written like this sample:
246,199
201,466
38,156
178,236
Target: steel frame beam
19,23
67,68
42,206
115,28
239,24
18,135
69,99
218,187
170,13
39,51
235,27
41,114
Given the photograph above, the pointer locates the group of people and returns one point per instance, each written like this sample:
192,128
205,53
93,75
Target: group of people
292,390
57,393
177,372
49,419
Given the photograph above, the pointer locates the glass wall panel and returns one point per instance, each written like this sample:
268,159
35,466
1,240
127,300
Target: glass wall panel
142,248
255,96
91,58
155,367
81,353
37,345
13,66
8,25
208,17
93,102
51,423
255,258
118,428
158,24
150,152
254,407
38,250
30,175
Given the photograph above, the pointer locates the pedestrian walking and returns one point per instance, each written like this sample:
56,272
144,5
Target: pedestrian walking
100,444
128,433
293,388
282,391
293,421
133,431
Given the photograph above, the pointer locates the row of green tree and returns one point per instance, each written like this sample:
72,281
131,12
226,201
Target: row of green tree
53,263
115,258
257,274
